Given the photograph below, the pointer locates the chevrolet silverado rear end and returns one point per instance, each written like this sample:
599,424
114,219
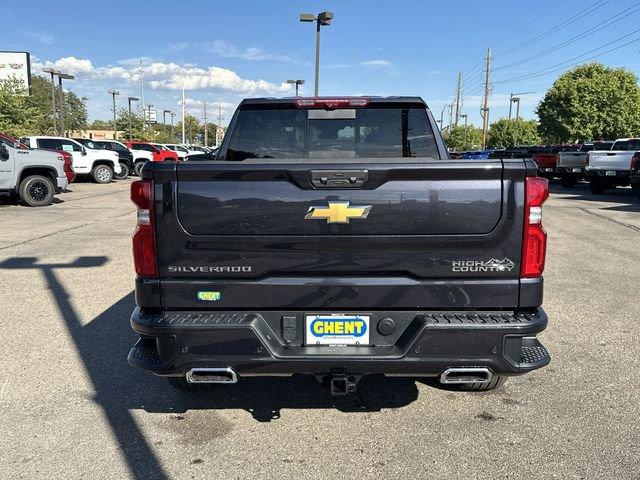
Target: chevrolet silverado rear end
335,237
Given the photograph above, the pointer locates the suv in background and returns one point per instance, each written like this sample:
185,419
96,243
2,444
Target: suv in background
34,175
99,164
145,151
125,157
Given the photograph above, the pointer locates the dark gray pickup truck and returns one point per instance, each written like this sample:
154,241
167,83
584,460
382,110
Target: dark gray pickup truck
335,237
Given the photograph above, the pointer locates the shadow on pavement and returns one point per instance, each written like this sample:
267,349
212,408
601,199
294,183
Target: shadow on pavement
581,192
103,345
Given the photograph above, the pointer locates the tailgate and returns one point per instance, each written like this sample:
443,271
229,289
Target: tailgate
438,233
572,159
610,160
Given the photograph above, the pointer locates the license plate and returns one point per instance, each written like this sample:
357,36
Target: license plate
576,170
337,329
610,173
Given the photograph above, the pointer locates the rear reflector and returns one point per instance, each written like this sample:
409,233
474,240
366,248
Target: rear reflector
332,103
534,240
144,238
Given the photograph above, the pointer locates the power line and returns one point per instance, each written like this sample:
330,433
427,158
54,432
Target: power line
561,65
606,23
582,13
527,24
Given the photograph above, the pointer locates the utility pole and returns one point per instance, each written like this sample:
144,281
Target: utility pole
183,112
450,116
113,94
129,100
141,87
485,103
206,131
458,88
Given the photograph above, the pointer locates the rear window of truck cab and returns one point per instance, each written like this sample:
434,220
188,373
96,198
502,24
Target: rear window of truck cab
385,132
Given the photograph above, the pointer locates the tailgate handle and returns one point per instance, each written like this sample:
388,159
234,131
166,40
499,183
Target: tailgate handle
339,178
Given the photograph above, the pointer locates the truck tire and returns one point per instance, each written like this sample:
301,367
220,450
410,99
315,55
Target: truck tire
496,382
138,167
102,173
124,172
596,186
36,191
568,181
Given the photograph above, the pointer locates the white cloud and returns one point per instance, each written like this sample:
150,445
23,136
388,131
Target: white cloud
227,49
376,63
168,76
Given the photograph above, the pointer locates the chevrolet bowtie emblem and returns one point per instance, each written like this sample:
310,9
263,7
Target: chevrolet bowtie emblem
337,212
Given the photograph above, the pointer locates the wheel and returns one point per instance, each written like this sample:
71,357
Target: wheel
102,173
124,171
36,191
568,182
596,186
138,167
496,382
181,384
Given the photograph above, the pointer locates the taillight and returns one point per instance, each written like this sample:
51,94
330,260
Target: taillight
534,240
144,238
586,160
332,103
635,161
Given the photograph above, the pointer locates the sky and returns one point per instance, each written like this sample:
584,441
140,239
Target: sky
223,52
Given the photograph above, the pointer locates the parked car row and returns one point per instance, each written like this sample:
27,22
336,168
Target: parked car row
35,168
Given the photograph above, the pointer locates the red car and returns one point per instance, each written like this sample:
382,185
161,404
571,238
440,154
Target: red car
145,151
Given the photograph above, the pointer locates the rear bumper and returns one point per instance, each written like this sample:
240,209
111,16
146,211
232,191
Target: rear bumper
272,343
61,183
569,170
610,174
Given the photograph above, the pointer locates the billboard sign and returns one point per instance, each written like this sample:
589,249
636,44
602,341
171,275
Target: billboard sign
16,64
150,115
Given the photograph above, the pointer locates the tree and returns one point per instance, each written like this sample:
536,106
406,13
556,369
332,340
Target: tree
464,138
135,121
507,133
17,114
591,102
192,129
75,110
101,125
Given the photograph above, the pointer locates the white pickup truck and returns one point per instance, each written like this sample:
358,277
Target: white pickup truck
34,175
611,168
99,164
571,164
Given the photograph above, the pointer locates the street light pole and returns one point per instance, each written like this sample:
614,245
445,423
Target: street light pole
297,83
173,138
131,99
113,94
62,76
322,19
465,116
164,121
515,98
53,97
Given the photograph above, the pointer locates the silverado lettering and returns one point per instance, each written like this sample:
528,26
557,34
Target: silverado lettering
363,248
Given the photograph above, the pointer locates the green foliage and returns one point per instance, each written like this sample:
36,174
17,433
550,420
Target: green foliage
192,129
507,133
27,115
132,125
591,102
101,125
17,114
464,138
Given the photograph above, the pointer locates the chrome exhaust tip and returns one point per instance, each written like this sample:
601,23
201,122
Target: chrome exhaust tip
466,375
212,375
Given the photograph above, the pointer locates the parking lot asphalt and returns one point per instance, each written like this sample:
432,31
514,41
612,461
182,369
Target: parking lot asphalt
73,408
